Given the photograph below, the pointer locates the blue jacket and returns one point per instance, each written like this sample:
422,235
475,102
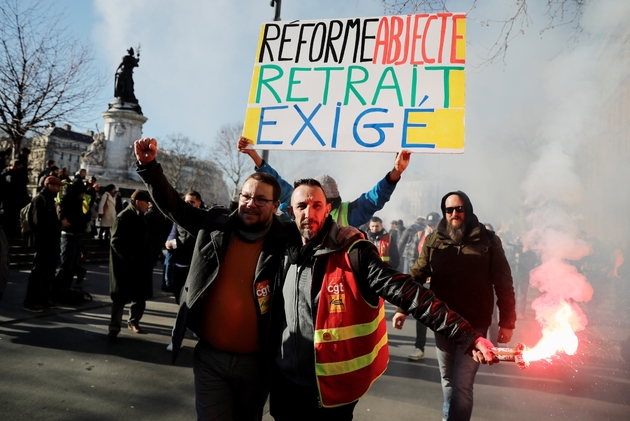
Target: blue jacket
360,210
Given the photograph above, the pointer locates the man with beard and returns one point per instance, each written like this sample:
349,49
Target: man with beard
227,295
328,320
465,262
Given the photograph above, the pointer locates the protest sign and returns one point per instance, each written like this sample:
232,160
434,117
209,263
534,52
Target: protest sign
362,84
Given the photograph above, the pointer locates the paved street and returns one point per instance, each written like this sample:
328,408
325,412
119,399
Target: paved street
58,365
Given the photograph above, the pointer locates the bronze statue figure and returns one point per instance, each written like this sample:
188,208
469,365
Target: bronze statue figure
123,87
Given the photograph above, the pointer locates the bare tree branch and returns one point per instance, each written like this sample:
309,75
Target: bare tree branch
559,13
235,165
46,75
184,166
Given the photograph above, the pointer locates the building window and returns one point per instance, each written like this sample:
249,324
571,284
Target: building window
69,157
78,158
61,156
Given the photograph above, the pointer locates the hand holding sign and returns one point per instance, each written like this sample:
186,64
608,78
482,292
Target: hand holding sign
243,144
402,162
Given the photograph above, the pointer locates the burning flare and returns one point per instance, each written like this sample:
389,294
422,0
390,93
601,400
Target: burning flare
562,285
558,335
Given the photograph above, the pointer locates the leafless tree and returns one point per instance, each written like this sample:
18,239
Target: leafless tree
235,165
45,75
559,13
185,167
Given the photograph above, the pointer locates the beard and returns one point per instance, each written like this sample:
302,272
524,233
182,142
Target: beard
456,233
306,231
259,226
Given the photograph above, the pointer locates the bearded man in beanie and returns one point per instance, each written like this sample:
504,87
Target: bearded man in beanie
466,264
130,264
354,213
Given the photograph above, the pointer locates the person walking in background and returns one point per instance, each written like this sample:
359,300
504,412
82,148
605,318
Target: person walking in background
48,170
130,264
46,232
383,241
16,197
417,239
466,264
70,211
408,243
64,175
107,212
182,247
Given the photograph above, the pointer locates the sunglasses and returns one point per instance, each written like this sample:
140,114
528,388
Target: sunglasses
458,209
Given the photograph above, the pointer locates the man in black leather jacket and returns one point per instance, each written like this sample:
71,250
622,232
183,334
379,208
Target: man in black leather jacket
227,295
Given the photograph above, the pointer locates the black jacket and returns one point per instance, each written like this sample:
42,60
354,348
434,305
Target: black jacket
375,279
130,257
71,209
464,275
45,221
213,229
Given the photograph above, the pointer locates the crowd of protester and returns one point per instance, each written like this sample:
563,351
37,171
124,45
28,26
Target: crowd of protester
438,250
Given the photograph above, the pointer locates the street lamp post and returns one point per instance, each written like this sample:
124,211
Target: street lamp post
278,6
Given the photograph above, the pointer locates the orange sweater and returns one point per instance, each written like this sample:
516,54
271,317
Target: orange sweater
230,319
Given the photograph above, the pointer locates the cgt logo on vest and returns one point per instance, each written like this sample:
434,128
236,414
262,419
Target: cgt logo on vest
263,294
337,296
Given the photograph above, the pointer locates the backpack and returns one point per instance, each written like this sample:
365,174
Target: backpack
26,218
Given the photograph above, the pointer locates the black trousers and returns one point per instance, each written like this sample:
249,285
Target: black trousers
289,402
42,274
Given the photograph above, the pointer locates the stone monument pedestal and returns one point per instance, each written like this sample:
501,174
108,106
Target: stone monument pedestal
113,160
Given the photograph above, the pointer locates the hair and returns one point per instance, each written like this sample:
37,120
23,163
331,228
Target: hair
376,219
311,182
50,162
195,194
267,179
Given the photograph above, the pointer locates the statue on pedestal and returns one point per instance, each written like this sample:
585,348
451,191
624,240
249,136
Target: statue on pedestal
95,154
123,87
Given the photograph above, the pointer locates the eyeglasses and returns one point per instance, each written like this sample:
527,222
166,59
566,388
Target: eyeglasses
258,201
458,209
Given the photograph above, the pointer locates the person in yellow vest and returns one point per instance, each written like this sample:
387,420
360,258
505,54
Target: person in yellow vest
328,334
354,213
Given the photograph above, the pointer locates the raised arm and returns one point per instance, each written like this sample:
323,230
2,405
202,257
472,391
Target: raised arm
365,206
166,198
262,166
